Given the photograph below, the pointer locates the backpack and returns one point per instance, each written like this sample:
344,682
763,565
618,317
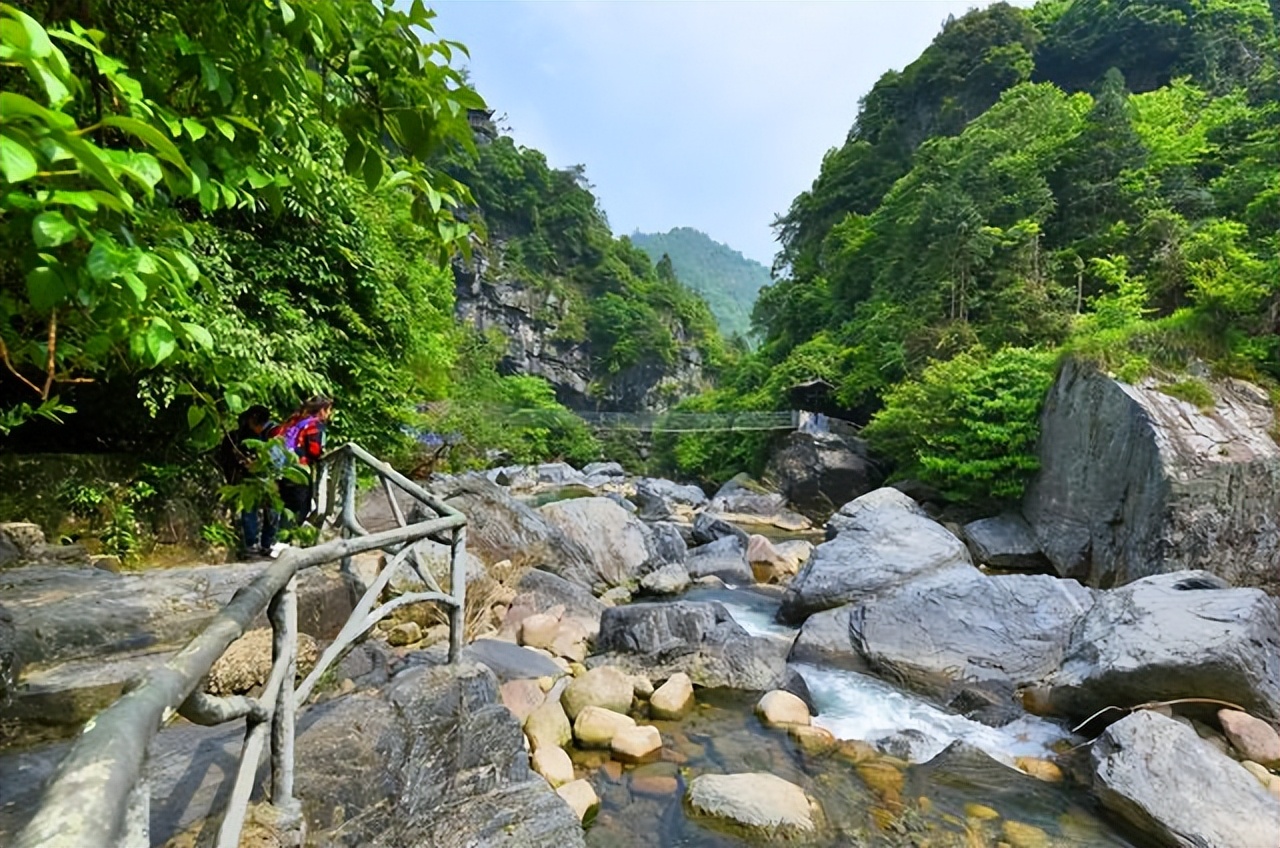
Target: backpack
291,433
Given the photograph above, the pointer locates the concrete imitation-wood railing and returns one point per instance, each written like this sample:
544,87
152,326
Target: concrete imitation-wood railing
99,796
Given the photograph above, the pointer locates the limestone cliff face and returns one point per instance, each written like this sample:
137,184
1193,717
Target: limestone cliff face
1134,482
530,318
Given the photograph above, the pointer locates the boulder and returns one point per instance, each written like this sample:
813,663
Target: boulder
10,662
641,744
510,662
548,726
615,540
1167,782
19,540
522,697
1005,541
708,527
581,798
724,558
744,500
541,590
554,765
501,528
825,639
1181,635
756,801
673,698
1252,737
1134,482
975,630
666,545
436,739
884,540
603,469
668,580
539,630
605,687
663,500
817,472
782,708
697,637
595,727
557,475
768,565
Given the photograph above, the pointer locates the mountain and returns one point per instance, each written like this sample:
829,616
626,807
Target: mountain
726,279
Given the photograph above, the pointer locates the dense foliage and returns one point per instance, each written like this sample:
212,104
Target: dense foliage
726,279
547,229
1100,177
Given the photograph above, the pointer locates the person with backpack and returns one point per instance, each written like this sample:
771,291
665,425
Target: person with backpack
258,526
303,435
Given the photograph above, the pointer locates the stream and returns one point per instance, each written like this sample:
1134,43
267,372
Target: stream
935,795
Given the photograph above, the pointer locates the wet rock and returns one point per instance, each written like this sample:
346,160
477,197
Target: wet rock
1253,738
1039,769
554,765
1180,635
595,727
884,541
755,801
606,687
1021,835
698,638
1171,785
767,564
724,558
782,708
825,639
973,630
615,540
817,472
1161,486
639,744
793,681
1005,541
673,698
708,528
581,798
813,740
669,580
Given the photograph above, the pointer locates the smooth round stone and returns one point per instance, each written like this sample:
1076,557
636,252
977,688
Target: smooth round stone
595,727
607,687
637,744
753,800
673,698
554,765
781,708
580,796
1039,769
548,726
539,631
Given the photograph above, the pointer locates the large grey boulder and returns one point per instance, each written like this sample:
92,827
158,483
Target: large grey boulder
974,631
817,472
1133,482
616,541
724,558
825,639
437,761
744,500
1181,635
884,540
500,527
510,662
708,527
542,590
1179,790
663,500
699,638
1005,541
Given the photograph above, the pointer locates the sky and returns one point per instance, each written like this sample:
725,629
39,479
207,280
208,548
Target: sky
711,114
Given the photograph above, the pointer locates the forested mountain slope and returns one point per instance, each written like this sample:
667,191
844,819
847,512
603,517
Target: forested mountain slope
726,279
1101,176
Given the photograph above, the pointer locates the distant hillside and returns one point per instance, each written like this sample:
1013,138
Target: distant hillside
724,277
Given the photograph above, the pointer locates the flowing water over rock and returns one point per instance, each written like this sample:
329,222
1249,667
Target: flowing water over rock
946,786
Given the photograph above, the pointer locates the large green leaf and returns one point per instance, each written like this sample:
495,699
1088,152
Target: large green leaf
16,162
50,229
148,134
160,341
45,289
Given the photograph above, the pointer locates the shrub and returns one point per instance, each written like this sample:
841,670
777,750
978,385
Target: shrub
968,425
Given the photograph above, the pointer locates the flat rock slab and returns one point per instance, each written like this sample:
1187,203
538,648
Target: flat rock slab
1179,635
510,662
1172,785
755,801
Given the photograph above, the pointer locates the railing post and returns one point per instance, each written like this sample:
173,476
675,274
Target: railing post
458,587
283,614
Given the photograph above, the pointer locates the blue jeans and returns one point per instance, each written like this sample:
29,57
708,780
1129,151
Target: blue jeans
265,519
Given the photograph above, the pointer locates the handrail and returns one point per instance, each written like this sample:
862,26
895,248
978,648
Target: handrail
98,797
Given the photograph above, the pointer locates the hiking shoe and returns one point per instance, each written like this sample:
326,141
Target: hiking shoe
277,549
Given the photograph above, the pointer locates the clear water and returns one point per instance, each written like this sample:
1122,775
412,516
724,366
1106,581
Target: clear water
931,797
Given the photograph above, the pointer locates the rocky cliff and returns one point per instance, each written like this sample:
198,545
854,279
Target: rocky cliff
532,319
1134,481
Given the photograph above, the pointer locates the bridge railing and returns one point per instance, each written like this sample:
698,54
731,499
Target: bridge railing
99,797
